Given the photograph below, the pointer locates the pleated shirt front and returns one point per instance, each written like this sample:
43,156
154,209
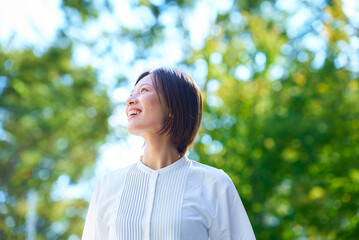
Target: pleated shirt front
150,204
185,200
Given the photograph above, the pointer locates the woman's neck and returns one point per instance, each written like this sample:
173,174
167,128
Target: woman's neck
159,153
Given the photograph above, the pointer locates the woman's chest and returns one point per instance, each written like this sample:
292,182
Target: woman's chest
160,208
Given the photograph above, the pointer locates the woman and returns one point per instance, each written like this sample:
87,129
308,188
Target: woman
165,195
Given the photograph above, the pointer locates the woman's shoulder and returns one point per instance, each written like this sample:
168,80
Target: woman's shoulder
115,177
209,174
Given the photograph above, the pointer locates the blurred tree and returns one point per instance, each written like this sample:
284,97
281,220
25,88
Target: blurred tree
281,114
54,118
282,118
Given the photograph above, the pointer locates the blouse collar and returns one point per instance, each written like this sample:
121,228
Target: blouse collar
176,165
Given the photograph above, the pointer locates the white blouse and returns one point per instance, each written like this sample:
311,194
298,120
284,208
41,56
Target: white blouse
185,200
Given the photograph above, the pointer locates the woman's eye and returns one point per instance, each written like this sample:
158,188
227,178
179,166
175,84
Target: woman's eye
143,90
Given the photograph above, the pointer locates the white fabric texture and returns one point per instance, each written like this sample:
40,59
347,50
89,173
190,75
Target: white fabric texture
185,200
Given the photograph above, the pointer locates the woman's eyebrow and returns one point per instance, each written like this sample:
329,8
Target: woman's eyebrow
142,86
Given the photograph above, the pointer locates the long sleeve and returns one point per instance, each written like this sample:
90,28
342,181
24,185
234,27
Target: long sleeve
230,221
94,228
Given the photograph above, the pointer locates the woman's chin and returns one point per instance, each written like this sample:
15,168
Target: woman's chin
144,132
136,130
133,130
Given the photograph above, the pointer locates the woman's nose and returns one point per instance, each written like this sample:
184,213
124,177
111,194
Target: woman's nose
131,100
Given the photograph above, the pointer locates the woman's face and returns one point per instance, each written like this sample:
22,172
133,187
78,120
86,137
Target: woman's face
145,113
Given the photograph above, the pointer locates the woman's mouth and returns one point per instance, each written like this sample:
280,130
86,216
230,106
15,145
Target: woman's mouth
133,113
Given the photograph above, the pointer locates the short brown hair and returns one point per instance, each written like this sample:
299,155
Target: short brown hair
184,102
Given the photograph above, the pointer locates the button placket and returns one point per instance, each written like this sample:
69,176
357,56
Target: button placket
149,205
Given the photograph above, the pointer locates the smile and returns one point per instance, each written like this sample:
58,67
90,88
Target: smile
133,113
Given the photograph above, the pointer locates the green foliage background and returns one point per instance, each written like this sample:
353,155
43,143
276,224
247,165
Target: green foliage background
289,142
